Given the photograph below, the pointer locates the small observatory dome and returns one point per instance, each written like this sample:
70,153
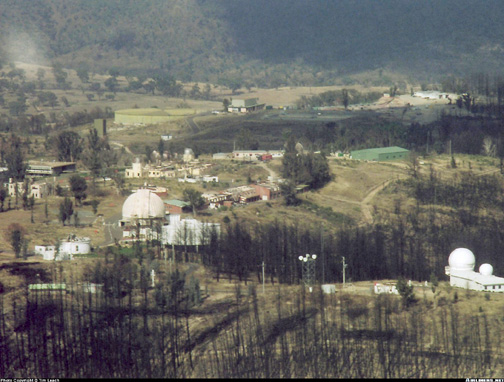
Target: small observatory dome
143,204
299,148
486,269
188,155
462,259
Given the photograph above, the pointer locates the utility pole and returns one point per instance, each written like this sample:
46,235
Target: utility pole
322,251
344,267
263,275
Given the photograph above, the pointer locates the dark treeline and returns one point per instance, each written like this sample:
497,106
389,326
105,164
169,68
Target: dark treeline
463,190
40,124
467,133
337,98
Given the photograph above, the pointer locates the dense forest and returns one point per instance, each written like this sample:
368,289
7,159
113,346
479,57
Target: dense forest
266,43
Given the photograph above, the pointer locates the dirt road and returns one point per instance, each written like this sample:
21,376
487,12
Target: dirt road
366,202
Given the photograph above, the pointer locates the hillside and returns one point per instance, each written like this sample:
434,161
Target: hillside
267,43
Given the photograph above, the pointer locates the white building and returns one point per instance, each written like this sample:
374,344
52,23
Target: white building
220,156
136,171
144,207
187,231
435,95
188,155
245,105
73,245
142,212
255,155
37,190
389,288
461,271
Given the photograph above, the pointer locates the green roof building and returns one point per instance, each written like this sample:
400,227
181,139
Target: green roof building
381,154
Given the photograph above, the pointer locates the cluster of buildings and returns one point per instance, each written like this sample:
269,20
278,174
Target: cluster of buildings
144,217
243,194
190,168
250,155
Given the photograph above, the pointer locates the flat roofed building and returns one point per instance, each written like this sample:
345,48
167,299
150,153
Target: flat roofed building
245,105
221,156
267,191
381,154
255,155
242,194
50,168
248,155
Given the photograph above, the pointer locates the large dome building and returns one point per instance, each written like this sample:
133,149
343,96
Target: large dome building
142,210
143,205
461,271
462,259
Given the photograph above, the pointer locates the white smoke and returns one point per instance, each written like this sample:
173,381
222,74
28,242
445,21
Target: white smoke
25,47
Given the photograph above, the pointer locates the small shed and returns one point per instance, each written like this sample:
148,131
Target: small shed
381,154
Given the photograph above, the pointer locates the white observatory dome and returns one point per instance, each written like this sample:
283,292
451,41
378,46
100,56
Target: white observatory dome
462,259
486,269
143,204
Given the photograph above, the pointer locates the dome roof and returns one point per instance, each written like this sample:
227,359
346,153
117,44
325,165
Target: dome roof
143,204
486,269
462,259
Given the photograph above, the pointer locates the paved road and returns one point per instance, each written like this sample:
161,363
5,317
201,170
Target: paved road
112,230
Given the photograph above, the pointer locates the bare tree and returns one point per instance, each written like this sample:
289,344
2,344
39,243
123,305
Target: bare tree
489,147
